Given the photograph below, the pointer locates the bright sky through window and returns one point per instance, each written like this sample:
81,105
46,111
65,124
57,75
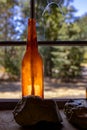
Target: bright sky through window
81,6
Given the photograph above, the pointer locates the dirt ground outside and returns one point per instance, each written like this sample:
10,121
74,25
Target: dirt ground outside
52,89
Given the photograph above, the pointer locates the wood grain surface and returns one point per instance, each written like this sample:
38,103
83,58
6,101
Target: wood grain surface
7,122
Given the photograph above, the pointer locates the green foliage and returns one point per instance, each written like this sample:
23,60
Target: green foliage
12,61
47,58
10,57
68,62
63,60
11,64
82,22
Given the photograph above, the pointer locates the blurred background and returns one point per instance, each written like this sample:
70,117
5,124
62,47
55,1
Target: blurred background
65,67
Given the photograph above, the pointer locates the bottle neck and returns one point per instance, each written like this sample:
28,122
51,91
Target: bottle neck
32,36
32,8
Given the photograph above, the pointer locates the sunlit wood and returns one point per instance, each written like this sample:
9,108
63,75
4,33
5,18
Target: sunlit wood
32,65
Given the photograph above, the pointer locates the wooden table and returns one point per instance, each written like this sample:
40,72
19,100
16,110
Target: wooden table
7,121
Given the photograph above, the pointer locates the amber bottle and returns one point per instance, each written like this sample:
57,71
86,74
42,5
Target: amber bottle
32,64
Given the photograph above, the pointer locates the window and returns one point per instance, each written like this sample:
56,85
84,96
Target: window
59,33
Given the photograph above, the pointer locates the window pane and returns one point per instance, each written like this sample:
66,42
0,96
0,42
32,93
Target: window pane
58,21
65,71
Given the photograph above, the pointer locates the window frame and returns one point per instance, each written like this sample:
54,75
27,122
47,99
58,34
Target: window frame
9,104
45,43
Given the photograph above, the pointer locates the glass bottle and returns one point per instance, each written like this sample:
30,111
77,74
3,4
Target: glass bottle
32,64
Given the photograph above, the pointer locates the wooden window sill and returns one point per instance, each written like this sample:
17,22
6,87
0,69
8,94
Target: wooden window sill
9,104
6,117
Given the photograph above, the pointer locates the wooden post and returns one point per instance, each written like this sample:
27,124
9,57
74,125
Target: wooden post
86,92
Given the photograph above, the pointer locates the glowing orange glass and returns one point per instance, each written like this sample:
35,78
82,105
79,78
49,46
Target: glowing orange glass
32,65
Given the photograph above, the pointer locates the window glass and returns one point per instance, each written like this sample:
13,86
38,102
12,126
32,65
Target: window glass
60,21
65,71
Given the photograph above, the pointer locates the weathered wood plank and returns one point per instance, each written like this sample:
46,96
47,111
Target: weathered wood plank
7,122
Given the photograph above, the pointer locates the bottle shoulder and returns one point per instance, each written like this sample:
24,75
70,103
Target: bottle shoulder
35,55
